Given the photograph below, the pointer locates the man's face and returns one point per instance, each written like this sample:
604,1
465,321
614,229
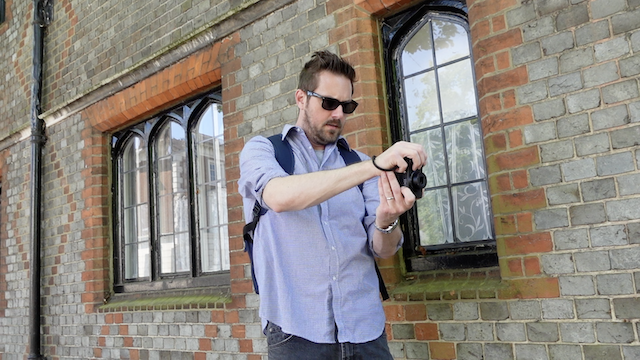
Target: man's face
323,126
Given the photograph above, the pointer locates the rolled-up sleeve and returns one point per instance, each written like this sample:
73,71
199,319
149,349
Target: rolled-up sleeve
258,166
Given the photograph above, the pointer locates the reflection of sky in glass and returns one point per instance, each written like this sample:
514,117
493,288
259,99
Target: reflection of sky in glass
422,101
451,41
417,54
457,92
211,122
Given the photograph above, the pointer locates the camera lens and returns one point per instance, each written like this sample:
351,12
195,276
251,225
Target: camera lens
418,179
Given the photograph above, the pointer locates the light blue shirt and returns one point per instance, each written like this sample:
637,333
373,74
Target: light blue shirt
314,267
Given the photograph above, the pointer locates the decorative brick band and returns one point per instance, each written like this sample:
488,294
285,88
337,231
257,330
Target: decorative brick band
195,74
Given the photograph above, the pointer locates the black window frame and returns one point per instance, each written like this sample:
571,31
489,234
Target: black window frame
461,255
191,111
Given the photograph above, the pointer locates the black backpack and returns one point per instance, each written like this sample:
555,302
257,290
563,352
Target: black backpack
285,158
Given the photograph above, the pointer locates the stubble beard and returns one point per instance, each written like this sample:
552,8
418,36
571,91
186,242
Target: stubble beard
322,135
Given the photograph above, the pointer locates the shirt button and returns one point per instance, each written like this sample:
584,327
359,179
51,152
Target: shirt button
335,277
333,248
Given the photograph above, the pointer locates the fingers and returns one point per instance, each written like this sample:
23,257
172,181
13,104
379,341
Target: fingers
396,154
394,199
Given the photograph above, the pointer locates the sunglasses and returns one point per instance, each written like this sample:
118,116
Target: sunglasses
331,104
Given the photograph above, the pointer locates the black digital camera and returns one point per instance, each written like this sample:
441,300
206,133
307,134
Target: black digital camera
414,180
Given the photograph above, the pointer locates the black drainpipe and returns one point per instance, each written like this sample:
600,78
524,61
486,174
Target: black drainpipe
42,11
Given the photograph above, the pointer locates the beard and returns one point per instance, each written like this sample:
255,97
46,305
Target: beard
326,133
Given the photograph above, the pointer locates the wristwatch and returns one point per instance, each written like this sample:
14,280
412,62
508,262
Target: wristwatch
388,229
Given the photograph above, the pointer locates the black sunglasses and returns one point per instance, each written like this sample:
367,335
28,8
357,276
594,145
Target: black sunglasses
331,104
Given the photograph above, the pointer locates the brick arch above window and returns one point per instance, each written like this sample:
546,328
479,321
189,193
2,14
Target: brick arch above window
198,72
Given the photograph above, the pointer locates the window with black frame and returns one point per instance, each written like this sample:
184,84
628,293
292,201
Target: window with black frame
2,11
171,200
433,101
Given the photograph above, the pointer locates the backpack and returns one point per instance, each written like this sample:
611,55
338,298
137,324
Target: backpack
284,155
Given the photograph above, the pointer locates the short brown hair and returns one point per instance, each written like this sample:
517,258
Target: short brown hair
324,61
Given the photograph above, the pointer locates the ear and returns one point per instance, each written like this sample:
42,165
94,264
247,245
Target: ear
301,98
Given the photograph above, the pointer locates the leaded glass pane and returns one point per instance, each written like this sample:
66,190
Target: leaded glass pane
457,92
172,198
422,101
135,207
212,190
435,218
435,169
417,55
472,211
464,151
451,41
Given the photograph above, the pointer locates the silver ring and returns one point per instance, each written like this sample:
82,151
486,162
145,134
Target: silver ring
391,198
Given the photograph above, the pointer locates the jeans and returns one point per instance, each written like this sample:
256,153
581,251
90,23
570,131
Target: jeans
284,346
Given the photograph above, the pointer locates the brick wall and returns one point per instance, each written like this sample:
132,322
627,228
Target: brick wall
560,106
15,72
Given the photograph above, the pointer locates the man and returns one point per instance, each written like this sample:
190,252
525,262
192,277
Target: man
314,248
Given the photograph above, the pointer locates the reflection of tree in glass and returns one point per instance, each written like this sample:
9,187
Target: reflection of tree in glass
457,92
422,101
451,41
417,54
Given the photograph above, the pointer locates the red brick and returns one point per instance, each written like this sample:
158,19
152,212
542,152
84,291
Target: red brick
530,289
415,312
525,222
442,350
498,23
394,312
520,179
507,119
532,266
503,80
231,317
211,331
481,9
246,345
511,267
526,200
426,331
525,244
505,224
204,344
495,142
516,159
515,138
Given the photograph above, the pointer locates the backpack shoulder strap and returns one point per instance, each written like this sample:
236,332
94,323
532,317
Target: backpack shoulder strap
284,153
349,156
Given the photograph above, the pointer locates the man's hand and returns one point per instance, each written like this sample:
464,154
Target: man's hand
394,200
394,156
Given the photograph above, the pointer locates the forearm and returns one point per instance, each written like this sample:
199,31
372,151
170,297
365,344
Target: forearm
297,192
386,245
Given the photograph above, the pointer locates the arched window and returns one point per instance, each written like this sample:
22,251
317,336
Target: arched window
434,102
170,200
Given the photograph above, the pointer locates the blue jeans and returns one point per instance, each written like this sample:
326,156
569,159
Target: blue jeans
284,346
